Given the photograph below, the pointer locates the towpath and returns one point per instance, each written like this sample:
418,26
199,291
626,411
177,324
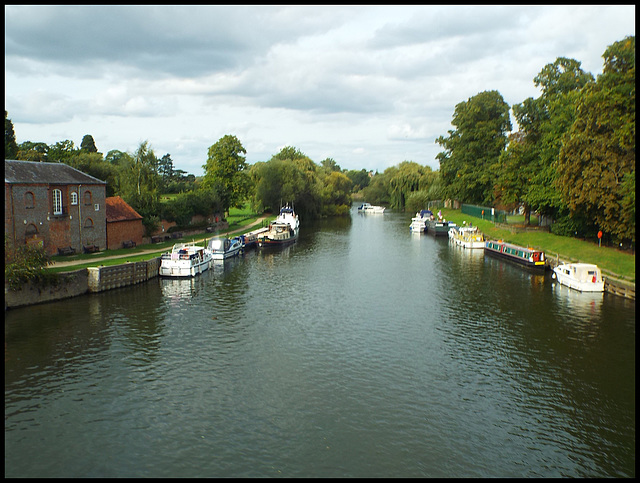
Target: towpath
142,252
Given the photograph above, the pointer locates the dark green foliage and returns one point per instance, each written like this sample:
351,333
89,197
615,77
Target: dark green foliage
26,264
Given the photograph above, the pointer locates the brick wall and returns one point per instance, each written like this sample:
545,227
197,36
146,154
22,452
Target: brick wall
29,215
120,231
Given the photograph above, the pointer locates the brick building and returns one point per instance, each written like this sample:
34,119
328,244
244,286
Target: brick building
53,205
124,224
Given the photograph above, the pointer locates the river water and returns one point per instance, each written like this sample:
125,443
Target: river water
361,351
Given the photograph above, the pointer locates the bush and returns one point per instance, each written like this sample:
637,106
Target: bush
27,264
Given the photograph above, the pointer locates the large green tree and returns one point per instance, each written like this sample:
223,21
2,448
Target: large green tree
596,165
527,169
225,172
468,165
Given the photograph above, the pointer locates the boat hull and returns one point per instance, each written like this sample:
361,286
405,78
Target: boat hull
184,269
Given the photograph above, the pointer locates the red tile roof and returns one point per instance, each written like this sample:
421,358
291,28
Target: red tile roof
119,210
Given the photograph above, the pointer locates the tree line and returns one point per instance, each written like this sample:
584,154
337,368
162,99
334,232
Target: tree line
572,159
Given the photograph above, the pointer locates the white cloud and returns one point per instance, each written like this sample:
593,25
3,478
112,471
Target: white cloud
367,86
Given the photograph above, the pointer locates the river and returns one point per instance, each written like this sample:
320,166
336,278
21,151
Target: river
361,351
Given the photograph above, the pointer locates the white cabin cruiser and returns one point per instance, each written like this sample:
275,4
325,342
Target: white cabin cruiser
369,208
222,248
585,277
185,260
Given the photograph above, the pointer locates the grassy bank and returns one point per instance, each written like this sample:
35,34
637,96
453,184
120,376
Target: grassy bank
613,262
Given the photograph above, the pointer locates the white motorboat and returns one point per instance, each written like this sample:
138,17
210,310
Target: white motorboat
467,237
585,277
419,222
185,260
282,231
222,248
369,208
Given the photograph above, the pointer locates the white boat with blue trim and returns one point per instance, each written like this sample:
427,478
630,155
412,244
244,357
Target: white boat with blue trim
222,248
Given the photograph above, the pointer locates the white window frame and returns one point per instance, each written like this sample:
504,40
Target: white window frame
74,198
57,202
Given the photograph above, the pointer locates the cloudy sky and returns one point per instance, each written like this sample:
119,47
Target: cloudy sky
369,86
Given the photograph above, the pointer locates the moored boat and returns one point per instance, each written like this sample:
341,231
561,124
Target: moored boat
419,222
185,260
439,227
222,248
369,208
527,257
584,277
282,231
250,239
467,237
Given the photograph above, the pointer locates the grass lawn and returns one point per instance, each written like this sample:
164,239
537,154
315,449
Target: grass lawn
612,261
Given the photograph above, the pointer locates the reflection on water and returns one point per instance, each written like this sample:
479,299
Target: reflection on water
361,350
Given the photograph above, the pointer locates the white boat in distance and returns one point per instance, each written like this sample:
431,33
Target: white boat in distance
185,260
369,208
585,277
222,248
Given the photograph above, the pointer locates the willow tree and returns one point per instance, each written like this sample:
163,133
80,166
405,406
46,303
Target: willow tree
408,178
468,163
596,166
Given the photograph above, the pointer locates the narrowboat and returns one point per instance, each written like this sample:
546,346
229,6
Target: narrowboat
527,257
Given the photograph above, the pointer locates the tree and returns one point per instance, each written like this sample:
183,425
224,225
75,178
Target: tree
225,172
596,165
88,144
408,178
526,170
30,151
468,164
360,179
61,151
137,181
10,145
165,170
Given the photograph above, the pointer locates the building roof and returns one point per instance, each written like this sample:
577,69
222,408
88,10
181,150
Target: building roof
117,209
33,172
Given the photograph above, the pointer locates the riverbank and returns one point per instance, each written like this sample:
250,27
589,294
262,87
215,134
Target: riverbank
144,252
615,264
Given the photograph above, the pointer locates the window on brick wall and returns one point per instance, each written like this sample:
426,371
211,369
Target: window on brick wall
29,200
74,198
57,202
